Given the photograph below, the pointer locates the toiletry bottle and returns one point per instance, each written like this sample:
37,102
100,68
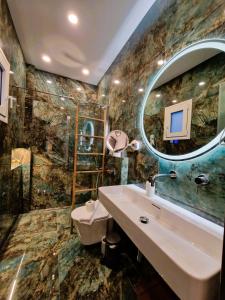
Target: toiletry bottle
150,188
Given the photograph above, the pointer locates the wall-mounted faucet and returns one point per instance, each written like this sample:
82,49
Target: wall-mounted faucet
172,175
202,179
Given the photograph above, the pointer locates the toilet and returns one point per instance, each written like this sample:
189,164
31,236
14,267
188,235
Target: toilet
91,225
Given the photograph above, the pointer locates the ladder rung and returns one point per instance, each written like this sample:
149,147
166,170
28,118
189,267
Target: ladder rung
93,153
91,171
92,136
85,190
91,118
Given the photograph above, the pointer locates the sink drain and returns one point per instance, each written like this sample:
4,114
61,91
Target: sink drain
144,219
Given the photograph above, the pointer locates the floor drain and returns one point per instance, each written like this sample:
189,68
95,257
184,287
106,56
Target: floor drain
144,219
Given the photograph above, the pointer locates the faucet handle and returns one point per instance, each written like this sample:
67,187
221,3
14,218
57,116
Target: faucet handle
202,179
173,175
151,180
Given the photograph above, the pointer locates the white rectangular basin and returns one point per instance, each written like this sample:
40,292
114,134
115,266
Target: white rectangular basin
183,247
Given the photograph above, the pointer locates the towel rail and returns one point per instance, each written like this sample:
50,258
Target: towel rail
77,154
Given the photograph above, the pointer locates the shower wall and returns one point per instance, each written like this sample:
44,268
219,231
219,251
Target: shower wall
49,132
11,134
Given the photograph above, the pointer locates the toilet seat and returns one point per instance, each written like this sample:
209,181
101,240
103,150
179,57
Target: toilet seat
94,226
82,215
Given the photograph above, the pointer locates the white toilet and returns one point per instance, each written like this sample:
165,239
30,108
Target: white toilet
91,225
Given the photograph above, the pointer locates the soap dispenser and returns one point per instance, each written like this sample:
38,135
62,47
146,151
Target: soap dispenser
150,188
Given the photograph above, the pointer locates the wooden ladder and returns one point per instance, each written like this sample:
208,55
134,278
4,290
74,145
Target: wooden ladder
77,154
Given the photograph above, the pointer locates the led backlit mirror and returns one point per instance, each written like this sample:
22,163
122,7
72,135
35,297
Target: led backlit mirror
183,112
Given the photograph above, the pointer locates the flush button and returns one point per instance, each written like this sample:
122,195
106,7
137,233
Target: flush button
144,219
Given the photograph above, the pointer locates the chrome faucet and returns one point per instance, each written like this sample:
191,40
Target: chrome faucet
172,175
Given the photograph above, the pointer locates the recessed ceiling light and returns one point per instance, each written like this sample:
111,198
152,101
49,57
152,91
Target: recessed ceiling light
49,81
73,18
116,81
78,89
140,90
46,58
160,62
62,98
103,95
158,95
11,72
174,101
85,71
123,101
201,83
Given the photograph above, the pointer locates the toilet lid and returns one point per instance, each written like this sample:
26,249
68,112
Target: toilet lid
81,214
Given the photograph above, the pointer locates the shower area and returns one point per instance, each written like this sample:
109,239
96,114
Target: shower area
37,172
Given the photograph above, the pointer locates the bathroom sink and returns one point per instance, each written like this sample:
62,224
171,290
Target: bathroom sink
183,247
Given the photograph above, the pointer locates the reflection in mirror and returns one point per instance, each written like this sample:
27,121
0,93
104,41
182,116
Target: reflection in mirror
199,77
21,157
87,130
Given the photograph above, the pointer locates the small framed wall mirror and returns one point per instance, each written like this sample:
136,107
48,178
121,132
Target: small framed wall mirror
183,111
4,87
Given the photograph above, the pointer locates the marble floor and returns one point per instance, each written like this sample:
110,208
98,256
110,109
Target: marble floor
42,260
6,223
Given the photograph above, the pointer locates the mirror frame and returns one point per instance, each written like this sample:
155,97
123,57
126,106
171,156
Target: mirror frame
202,44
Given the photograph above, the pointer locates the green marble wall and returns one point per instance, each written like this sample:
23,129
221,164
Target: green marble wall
166,29
11,134
49,132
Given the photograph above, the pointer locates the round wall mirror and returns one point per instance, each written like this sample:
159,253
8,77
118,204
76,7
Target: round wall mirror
183,111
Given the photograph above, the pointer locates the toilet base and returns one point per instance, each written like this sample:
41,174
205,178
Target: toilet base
90,234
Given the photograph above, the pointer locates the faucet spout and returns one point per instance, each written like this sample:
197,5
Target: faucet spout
172,175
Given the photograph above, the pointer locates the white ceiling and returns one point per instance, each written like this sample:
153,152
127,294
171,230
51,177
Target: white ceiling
103,29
